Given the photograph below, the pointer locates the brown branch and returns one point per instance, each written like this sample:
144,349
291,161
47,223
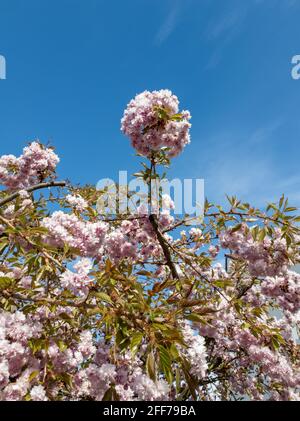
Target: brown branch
32,189
247,215
45,300
123,219
233,257
177,224
164,245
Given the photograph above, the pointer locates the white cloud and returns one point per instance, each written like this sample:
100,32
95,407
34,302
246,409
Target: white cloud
237,164
223,30
263,133
169,24
225,27
226,23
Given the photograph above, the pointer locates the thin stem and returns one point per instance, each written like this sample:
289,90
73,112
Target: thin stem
247,215
31,189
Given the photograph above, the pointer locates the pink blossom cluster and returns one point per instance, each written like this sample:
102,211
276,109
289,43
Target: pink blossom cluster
16,359
195,352
148,132
18,363
231,339
264,258
136,239
78,282
70,359
285,289
86,236
77,201
13,210
132,239
91,380
35,164
234,342
131,383
38,393
275,367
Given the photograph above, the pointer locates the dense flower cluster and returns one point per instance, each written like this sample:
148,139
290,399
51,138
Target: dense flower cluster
34,165
78,282
16,359
284,289
231,341
131,383
149,124
93,381
265,258
77,202
77,233
134,238
195,351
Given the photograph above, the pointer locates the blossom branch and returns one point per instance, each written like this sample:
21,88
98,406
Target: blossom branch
31,189
164,245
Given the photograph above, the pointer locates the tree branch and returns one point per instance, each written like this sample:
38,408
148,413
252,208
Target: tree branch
164,245
248,215
46,300
33,188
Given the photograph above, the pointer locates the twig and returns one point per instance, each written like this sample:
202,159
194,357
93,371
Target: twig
247,215
33,188
46,300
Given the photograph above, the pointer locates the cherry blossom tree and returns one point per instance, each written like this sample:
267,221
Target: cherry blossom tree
140,306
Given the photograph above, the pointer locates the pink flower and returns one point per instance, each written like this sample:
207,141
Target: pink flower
149,131
38,393
35,164
77,202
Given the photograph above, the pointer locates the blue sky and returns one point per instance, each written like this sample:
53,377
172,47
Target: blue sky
73,65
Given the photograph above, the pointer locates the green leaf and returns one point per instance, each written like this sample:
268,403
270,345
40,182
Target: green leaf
67,379
196,318
178,380
135,342
3,243
236,228
281,201
151,366
275,344
262,234
174,351
103,296
33,375
288,240
165,362
108,395
5,282
222,283
61,345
